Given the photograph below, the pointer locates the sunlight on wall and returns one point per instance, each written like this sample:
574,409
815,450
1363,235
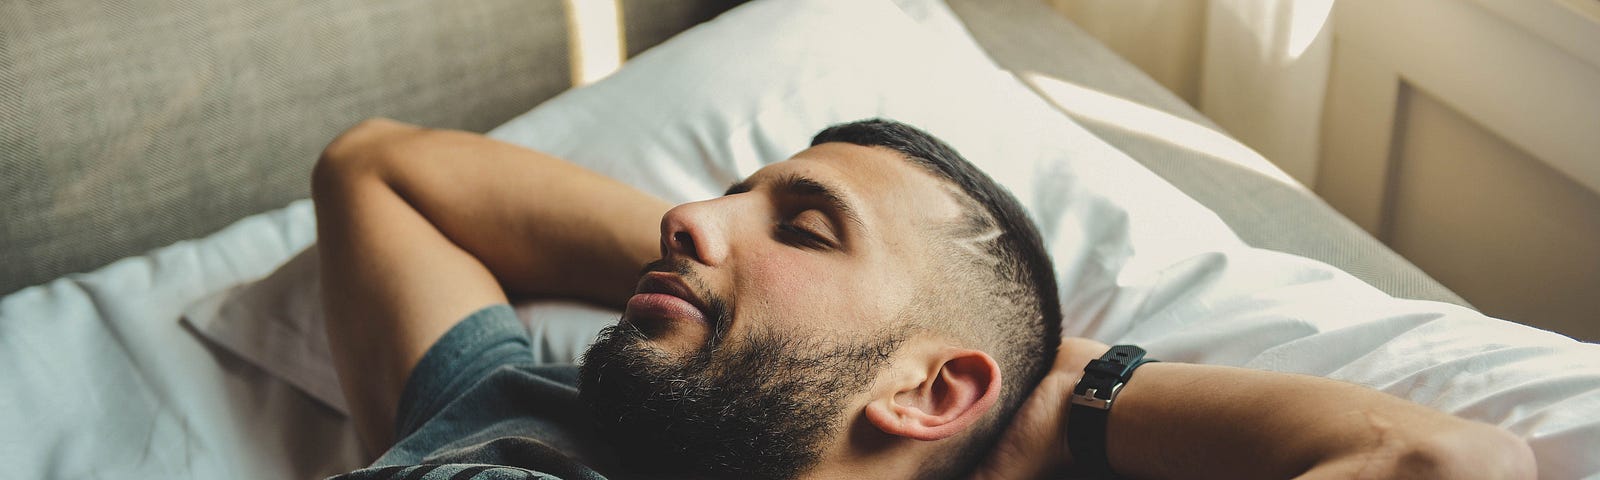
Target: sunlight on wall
1265,73
1162,37
594,39
1259,68
1100,107
1282,29
1307,18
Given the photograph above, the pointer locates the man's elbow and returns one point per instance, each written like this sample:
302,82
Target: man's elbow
1474,451
357,151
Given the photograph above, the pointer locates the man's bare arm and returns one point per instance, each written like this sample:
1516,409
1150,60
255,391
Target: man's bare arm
418,228
1176,420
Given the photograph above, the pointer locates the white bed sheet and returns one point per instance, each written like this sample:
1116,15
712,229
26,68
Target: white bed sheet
98,379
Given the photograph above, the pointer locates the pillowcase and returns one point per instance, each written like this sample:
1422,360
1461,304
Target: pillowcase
1136,260
691,117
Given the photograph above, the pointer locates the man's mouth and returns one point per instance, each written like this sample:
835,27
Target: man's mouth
662,296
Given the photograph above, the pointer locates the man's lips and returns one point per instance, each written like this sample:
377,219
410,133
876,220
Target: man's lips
663,295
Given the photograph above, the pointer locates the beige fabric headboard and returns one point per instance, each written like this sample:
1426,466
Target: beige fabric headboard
125,126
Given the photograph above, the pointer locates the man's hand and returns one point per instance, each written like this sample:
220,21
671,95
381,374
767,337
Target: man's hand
1195,421
1035,445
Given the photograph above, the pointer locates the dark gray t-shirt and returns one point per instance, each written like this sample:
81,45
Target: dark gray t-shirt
479,407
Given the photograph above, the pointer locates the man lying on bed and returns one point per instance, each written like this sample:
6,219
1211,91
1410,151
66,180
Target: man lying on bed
874,307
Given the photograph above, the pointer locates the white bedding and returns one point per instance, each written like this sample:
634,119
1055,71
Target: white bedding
106,380
98,379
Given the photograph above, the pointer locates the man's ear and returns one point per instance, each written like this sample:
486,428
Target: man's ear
950,390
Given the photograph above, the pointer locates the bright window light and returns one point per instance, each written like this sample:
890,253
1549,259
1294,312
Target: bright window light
595,39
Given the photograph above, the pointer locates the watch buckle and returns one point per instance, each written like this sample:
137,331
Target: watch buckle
1088,398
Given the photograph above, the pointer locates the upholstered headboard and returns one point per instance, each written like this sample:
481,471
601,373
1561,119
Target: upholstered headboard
125,126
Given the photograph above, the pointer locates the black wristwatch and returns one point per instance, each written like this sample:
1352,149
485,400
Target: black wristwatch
1091,405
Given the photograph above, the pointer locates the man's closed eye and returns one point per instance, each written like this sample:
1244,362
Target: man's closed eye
799,231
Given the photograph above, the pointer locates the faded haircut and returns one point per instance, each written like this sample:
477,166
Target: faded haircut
1006,287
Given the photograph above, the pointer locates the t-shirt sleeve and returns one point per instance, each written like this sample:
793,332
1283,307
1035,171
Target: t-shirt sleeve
486,340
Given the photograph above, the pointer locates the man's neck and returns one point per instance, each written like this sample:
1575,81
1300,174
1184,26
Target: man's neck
882,468
867,452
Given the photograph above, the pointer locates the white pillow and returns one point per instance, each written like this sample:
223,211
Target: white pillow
715,104
1136,260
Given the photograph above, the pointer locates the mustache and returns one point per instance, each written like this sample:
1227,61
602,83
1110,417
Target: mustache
717,311
679,267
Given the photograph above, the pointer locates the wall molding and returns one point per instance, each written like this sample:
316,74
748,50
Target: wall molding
1538,96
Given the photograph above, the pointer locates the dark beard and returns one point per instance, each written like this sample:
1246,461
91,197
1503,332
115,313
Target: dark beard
760,408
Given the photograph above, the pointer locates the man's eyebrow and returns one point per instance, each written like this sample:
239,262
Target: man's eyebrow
800,186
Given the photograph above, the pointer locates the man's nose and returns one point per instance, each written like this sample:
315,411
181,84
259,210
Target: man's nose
698,230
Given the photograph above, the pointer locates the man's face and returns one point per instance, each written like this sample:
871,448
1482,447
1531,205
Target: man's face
772,309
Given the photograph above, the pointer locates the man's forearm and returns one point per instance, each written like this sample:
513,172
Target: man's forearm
1196,421
543,226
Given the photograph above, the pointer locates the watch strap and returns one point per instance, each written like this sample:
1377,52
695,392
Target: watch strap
1090,406
1088,451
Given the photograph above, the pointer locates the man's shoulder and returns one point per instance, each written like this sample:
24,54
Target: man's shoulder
520,422
480,405
509,457
448,471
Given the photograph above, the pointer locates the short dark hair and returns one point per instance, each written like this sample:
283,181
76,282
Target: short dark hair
1016,282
